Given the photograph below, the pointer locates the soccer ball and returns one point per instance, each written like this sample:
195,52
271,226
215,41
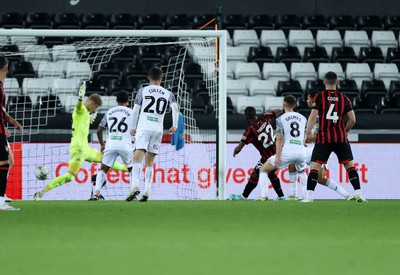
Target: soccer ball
42,172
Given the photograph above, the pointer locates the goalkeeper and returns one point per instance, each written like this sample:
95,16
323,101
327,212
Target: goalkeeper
79,149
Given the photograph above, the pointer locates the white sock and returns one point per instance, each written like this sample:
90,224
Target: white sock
101,177
293,183
263,182
357,192
2,200
135,175
148,180
336,187
310,195
303,181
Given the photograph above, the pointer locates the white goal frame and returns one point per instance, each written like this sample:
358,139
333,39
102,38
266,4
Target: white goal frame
222,48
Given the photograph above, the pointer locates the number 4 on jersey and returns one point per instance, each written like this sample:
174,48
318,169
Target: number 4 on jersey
331,115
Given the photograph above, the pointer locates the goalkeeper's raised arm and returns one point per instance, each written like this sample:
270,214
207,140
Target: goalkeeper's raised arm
81,94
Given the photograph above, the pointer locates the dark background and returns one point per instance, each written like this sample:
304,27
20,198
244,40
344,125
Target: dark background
272,7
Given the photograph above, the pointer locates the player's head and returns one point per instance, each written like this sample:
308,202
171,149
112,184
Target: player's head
3,67
122,97
250,114
310,97
289,102
330,80
93,102
155,74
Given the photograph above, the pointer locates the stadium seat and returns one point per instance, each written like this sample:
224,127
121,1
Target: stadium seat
149,53
39,20
343,56
392,23
37,52
123,84
236,54
65,86
342,23
369,23
329,39
230,69
108,71
260,22
78,69
66,21
236,88
49,42
229,106
245,39
358,72
124,21
50,104
11,86
314,23
356,40
199,20
19,104
393,56
373,92
24,42
303,72
150,22
315,56
349,88
314,85
247,70
287,22
394,92
35,87
64,52
108,103
97,87
94,21
233,22
52,69
273,102
362,106
245,101
21,70
177,22
288,55
273,39
198,105
291,87
260,55
301,39
386,73
11,20
371,56
276,72
261,87
323,68
384,40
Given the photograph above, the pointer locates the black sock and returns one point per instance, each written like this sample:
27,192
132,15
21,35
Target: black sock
276,183
3,179
353,177
249,188
312,180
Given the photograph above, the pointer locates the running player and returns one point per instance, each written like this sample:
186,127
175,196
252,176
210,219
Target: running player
261,134
119,122
331,106
4,152
289,145
152,102
80,150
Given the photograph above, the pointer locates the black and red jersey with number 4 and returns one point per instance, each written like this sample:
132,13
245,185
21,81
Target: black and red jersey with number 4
262,135
332,107
2,108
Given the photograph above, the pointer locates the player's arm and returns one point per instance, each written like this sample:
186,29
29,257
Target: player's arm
277,112
246,139
279,141
175,113
81,94
136,111
99,132
12,121
350,121
238,148
312,119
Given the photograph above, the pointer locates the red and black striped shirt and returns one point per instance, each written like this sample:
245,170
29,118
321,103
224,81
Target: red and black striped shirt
2,108
332,107
261,135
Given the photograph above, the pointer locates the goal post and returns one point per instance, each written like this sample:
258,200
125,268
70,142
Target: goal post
219,102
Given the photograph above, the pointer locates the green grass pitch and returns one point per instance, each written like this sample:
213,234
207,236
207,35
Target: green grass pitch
200,237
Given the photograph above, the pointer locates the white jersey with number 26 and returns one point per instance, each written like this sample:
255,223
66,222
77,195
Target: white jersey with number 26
119,121
154,101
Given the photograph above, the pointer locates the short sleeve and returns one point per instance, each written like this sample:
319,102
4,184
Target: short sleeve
103,122
247,136
279,127
139,97
347,105
316,101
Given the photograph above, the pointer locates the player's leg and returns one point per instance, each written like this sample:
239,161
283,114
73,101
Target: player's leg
330,183
10,163
135,174
293,182
345,157
4,167
94,155
252,182
264,170
276,184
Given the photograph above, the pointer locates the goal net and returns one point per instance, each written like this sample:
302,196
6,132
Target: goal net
46,68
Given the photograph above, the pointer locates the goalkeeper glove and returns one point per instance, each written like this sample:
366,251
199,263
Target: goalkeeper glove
82,91
93,117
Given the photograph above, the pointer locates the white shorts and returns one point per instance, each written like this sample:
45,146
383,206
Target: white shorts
310,148
289,156
110,156
149,141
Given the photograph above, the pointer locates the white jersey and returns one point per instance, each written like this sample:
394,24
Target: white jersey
292,126
119,122
154,101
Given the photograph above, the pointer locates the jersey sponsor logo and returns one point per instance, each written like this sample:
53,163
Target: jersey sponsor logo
330,98
152,119
297,142
116,138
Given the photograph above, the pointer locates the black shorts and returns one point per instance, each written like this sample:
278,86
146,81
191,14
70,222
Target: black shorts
322,152
3,147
